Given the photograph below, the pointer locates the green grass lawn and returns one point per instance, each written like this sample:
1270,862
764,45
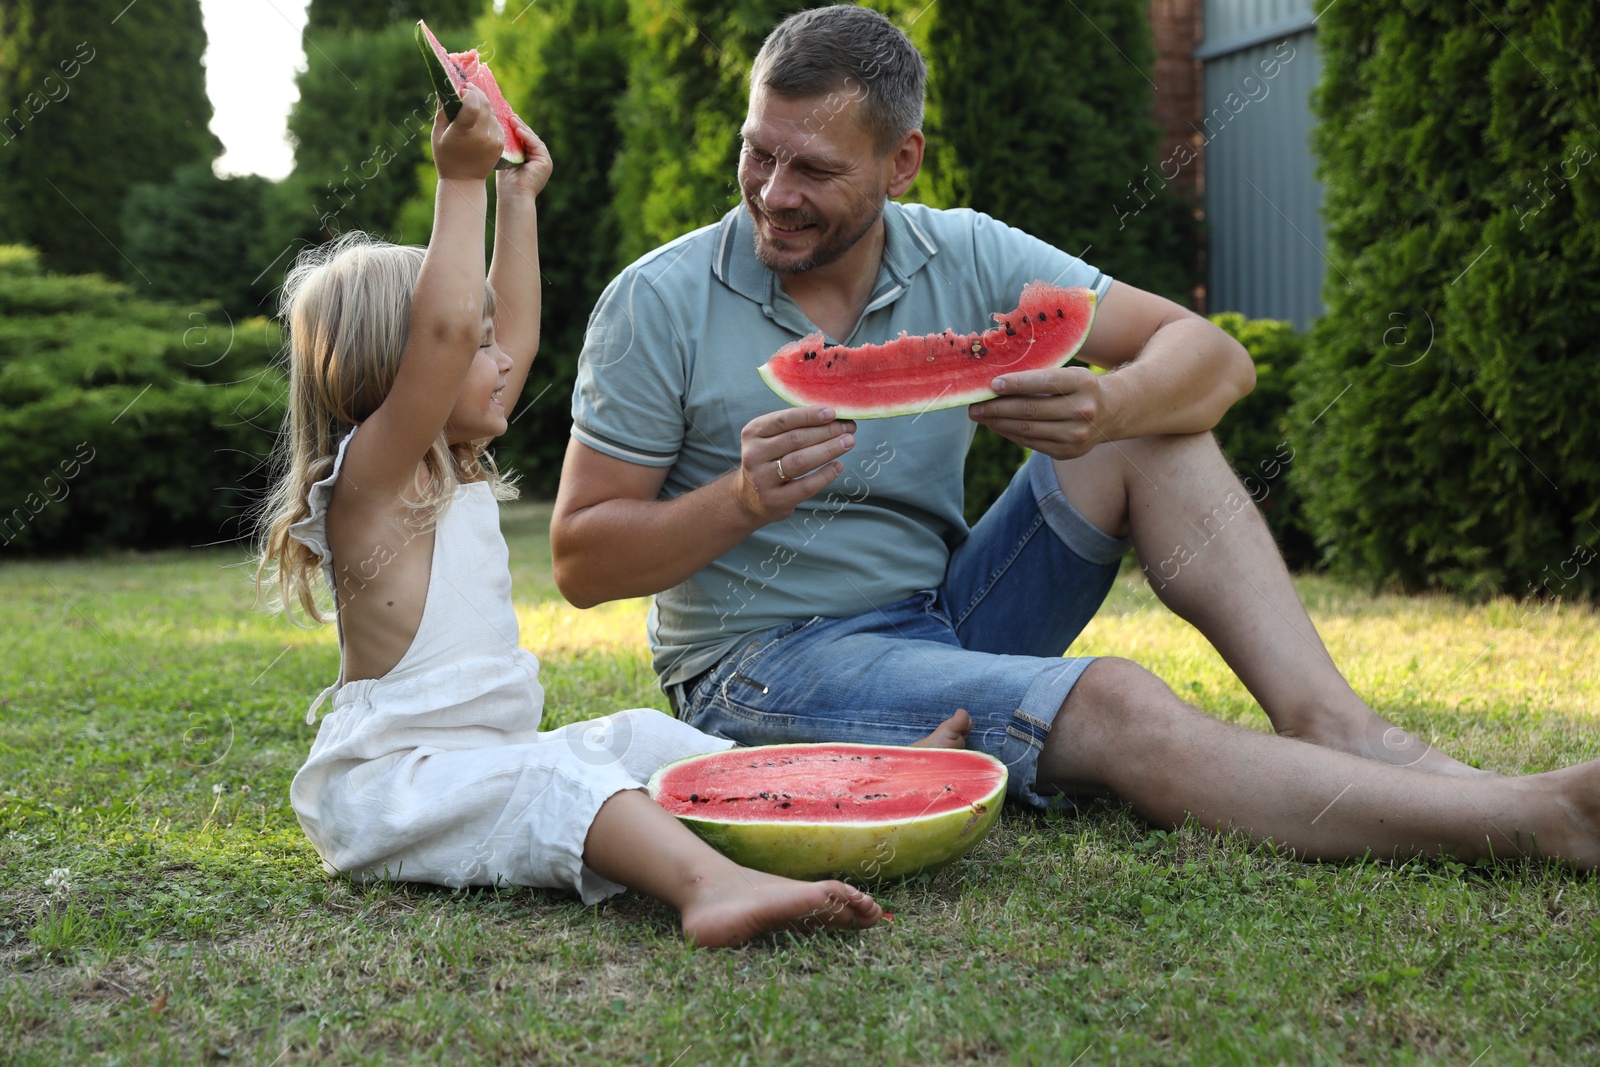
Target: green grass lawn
150,724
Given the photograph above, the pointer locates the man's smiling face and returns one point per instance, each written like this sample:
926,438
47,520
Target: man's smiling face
811,177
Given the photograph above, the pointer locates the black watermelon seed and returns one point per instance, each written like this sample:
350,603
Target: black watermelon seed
1060,314
785,804
1041,316
694,798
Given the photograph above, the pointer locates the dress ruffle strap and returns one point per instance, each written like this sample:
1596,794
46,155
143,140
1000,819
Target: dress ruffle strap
312,531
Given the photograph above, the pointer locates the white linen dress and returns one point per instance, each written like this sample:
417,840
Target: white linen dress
438,771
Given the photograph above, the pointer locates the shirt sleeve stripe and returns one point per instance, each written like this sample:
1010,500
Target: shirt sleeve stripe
622,452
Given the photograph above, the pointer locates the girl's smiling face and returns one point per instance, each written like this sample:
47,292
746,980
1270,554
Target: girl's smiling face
479,412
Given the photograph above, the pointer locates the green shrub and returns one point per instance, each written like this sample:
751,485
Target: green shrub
1444,402
126,422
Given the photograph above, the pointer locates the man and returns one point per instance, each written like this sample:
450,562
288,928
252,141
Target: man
814,579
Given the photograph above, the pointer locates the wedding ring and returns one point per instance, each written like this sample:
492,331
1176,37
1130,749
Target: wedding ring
782,477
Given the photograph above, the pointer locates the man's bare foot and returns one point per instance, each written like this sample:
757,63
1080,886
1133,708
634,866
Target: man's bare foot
1575,838
733,906
952,733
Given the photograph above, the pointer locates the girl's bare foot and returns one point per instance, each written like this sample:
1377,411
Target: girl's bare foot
732,906
952,733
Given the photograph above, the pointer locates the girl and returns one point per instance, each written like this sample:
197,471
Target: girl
431,766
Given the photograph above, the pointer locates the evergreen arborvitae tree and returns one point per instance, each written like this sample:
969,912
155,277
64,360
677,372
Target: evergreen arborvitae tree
362,122
85,116
1445,399
359,128
687,91
196,238
382,14
1044,123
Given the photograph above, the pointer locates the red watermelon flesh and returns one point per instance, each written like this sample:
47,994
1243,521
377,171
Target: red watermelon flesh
452,72
911,375
867,811
828,783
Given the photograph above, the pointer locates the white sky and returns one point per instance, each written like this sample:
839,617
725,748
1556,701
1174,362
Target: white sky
252,56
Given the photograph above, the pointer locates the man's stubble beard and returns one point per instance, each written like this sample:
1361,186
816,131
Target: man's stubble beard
824,254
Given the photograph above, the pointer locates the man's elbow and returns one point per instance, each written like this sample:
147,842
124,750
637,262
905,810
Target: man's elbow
570,577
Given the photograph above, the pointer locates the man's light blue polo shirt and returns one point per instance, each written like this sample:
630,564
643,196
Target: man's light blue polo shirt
667,378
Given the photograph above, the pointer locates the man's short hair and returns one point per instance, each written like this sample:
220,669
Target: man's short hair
855,49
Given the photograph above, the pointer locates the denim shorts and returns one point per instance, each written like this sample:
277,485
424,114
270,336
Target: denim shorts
990,639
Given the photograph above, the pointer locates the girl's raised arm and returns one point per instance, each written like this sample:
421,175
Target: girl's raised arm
514,273
447,313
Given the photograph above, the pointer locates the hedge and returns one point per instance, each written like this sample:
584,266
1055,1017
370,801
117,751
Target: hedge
126,422
1447,401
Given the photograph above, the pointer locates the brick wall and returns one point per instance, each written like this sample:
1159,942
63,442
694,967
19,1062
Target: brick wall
1180,98
1179,89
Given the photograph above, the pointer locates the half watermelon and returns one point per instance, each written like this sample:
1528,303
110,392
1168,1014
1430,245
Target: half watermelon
452,72
862,811
910,375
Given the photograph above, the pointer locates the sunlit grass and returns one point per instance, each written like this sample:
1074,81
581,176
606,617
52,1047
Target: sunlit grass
150,723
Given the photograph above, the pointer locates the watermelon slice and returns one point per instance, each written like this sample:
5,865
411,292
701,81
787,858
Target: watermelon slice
910,375
452,72
863,811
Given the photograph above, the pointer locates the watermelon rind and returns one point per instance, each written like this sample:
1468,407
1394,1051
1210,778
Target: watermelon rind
438,59
846,407
873,850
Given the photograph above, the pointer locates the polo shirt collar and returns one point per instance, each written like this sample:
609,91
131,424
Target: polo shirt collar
907,249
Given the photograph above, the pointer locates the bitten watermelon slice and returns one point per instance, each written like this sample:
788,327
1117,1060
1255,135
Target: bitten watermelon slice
452,72
911,375
862,811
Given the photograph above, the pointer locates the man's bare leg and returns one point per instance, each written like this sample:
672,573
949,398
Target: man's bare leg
1124,732
1210,558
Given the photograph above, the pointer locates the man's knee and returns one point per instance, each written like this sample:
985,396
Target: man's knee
1104,727
1113,694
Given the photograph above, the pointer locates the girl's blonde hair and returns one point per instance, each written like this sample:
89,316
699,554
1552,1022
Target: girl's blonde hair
347,307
